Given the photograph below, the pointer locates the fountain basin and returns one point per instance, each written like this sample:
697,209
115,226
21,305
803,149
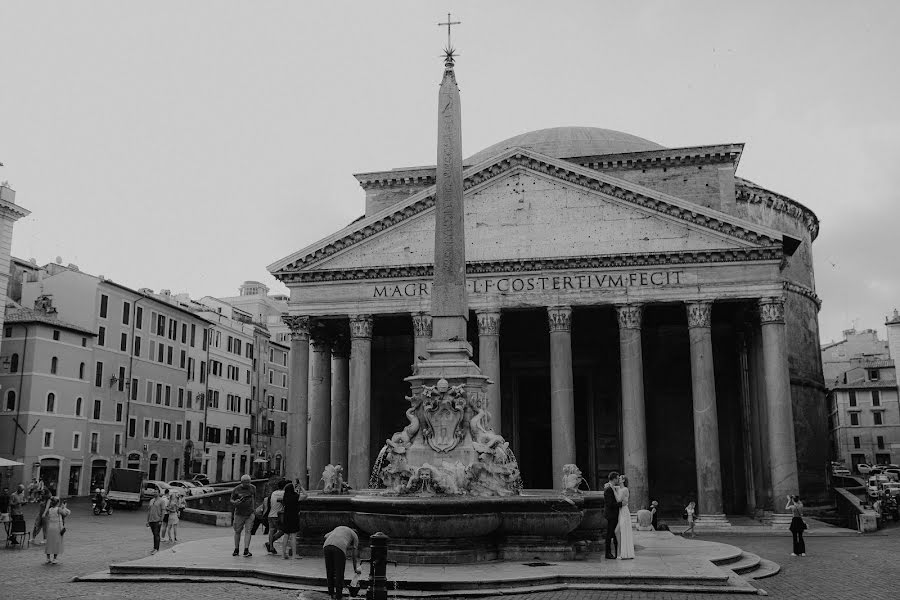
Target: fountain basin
441,529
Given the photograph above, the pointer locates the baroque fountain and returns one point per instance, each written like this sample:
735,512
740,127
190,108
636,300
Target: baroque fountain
447,488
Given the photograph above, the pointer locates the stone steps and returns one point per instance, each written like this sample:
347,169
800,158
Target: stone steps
664,563
749,566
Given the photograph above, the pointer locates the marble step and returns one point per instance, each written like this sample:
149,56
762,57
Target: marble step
735,585
766,568
748,563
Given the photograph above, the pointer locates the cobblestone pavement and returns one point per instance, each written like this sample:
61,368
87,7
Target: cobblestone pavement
864,567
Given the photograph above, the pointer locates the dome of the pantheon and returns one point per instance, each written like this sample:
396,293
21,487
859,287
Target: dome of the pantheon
569,142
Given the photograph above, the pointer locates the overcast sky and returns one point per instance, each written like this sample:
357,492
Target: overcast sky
186,145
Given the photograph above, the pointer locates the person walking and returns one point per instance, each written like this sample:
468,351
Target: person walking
242,501
166,498
611,509
798,525
690,512
55,528
155,518
276,508
16,502
290,521
4,501
338,542
174,505
624,533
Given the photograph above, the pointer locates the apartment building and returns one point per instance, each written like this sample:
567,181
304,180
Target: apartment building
863,396
272,376
223,439
138,369
865,414
50,421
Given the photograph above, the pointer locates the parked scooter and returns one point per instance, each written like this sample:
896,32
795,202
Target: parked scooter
100,504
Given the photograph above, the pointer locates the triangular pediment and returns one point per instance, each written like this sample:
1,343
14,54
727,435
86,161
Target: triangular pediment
524,207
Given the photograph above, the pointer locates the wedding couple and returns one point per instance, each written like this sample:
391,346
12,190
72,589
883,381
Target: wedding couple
618,517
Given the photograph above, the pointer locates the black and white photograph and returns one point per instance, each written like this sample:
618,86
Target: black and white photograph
463,300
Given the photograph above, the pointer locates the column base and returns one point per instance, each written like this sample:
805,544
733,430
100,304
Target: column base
779,520
712,521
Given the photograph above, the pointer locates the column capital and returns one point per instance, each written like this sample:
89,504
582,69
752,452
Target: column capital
299,326
421,325
771,310
630,315
361,326
559,318
488,321
699,314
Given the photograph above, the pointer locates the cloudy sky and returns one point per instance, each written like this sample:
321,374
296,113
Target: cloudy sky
186,145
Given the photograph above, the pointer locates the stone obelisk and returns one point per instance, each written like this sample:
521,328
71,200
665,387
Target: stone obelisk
449,363
449,306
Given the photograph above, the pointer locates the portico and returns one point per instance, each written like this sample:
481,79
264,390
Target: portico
625,328
588,380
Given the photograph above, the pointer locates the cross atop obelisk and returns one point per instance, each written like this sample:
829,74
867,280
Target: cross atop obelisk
449,305
448,50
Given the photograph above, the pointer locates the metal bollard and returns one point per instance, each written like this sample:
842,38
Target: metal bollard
378,547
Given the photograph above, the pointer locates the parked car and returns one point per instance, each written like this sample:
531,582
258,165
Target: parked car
863,468
893,473
840,472
875,471
188,488
891,488
201,479
153,488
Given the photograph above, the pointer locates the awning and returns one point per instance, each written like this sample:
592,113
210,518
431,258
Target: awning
5,462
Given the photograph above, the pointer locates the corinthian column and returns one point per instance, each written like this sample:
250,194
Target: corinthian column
489,359
320,407
634,418
340,400
562,393
298,404
358,470
782,449
421,335
706,424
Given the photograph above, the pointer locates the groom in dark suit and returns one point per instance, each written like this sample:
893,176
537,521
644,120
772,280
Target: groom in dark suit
611,508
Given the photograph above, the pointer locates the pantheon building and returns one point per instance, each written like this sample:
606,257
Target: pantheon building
666,303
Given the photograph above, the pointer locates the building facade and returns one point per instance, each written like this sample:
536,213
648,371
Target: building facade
865,414
50,421
641,306
839,357
138,368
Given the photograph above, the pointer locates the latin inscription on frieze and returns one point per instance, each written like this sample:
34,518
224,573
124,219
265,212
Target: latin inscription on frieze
558,283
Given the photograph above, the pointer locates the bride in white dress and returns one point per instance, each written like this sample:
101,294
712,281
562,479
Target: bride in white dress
624,533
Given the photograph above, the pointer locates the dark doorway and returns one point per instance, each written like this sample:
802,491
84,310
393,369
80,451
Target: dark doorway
534,454
220,465
74,479
669,407
392,359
